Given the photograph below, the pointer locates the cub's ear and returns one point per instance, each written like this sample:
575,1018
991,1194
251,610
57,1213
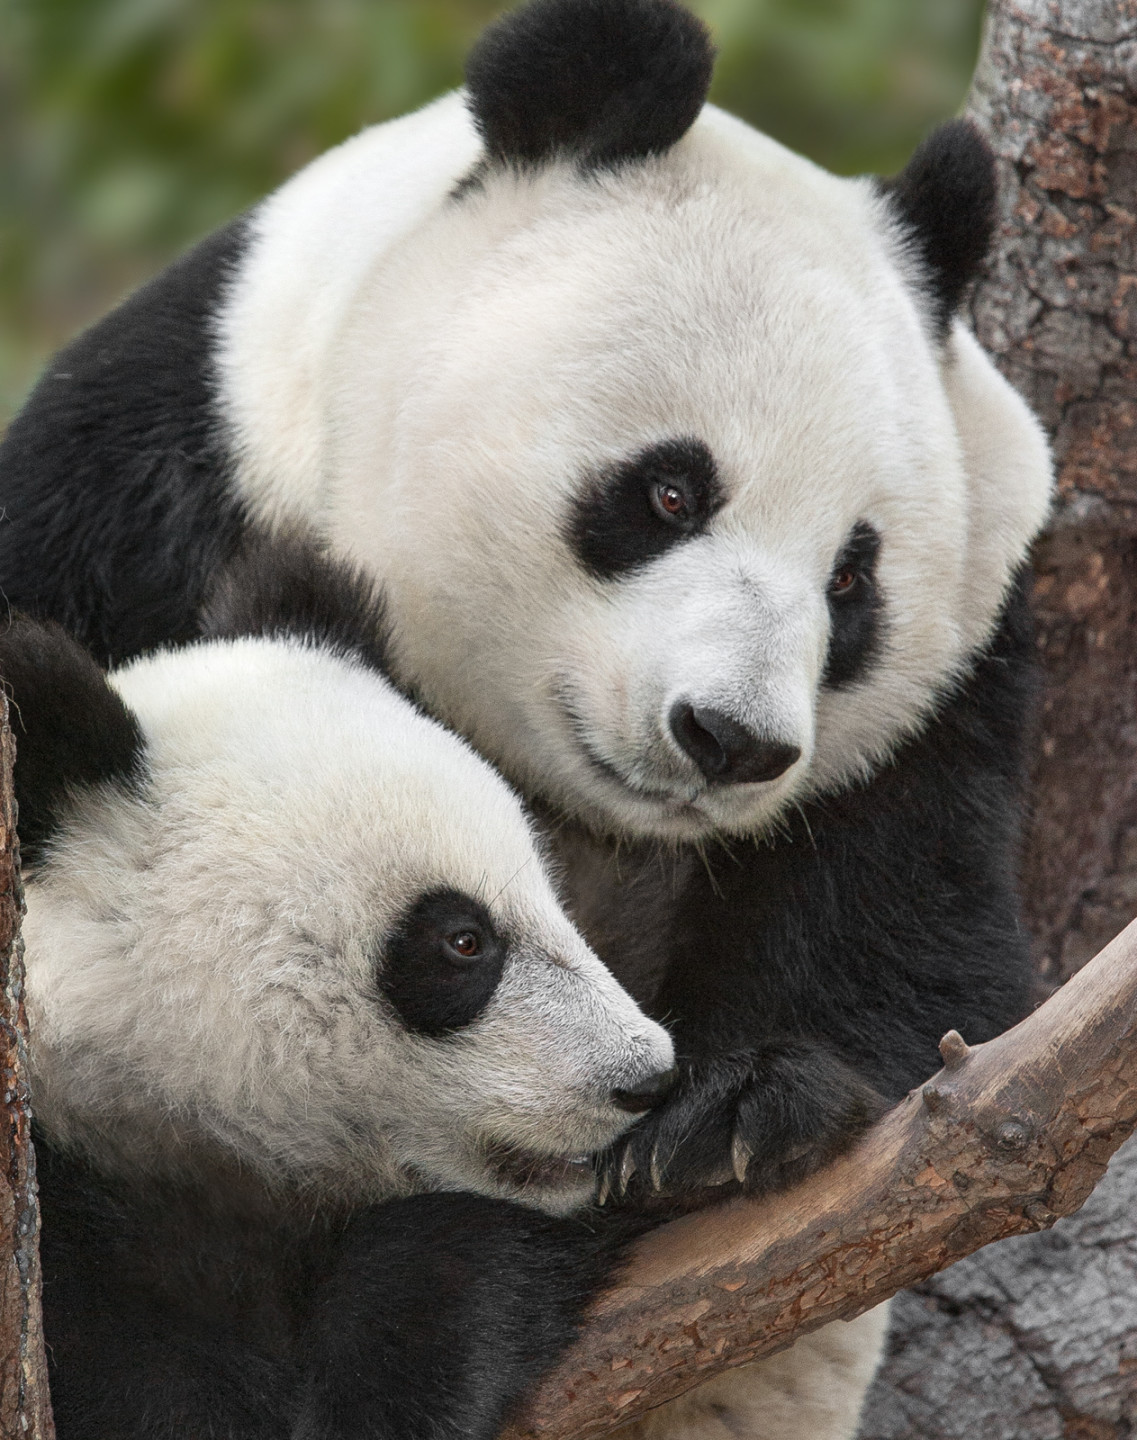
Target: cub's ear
945,198
71,728
598,81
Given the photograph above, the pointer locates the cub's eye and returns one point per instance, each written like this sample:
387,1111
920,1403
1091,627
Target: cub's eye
465,943
670,502
843,580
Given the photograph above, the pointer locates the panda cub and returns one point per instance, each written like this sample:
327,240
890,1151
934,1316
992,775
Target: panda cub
291,954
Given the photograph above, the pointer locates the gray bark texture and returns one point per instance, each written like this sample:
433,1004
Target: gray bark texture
1036,1338
25,1412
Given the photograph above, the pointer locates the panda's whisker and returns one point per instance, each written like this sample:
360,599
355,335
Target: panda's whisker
524,865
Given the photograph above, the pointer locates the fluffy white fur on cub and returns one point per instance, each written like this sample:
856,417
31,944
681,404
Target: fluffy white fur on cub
208,949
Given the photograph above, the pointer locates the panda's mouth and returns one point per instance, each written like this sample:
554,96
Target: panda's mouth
521,1169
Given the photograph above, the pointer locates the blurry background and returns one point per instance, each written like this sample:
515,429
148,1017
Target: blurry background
129,128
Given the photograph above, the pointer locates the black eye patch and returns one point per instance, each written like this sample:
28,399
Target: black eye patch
856,609
442,963
634,511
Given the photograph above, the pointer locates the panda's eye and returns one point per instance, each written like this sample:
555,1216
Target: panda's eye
441,962
856,608
670,502
632,512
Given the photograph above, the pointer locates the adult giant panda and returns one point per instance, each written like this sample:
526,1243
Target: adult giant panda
700,513
292,953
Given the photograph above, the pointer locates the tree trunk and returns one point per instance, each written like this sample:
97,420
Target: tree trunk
1056,92
1036,1338
25,1412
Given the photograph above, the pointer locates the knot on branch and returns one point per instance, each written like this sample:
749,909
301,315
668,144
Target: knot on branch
954,1050
1013,1135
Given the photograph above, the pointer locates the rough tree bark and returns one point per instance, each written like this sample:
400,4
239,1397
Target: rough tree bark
25,1413
1036,1339
1056,92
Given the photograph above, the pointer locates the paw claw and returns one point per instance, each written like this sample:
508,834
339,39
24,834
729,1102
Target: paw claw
656,1180
627,1170
740,1154
604,1187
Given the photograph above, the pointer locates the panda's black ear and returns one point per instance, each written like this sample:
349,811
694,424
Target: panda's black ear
599,81
945,197
71,728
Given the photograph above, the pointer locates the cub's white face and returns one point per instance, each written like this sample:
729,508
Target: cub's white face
263,956
682,511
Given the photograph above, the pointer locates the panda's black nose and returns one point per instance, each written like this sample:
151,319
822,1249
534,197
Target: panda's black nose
646,1093
726,751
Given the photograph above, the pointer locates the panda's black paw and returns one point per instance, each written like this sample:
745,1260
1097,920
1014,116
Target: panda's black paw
758,1121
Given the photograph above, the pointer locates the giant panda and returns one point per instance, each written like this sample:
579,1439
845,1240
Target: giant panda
292,958
701,514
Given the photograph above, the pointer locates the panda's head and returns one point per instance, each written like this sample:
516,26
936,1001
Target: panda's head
691,493
277,917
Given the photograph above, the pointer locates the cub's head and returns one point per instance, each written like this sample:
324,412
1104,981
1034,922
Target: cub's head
690,491
277,918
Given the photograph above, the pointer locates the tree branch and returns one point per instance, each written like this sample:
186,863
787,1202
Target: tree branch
1005,1139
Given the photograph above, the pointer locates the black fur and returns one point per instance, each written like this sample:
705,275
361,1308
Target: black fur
808,979
72,730
186,1312
617,524
856,613
448,1320
433,988
114,478
598,81
946,197
287,584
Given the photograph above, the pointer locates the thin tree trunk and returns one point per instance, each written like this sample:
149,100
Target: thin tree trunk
25,1412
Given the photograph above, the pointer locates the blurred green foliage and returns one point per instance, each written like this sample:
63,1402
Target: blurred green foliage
128,128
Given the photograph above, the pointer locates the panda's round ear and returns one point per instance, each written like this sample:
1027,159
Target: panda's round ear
71,728
946,200
598,81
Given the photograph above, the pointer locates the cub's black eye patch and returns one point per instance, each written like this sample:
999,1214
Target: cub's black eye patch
856,608
634,511
442,963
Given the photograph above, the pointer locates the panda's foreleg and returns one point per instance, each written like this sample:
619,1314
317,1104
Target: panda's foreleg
439,1312
812,1391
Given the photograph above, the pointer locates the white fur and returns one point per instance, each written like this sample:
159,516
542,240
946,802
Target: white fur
430,381
201,958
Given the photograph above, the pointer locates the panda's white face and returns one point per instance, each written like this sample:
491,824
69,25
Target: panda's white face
682,512
321,942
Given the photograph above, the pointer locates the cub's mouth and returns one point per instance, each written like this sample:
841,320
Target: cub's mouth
522,1169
